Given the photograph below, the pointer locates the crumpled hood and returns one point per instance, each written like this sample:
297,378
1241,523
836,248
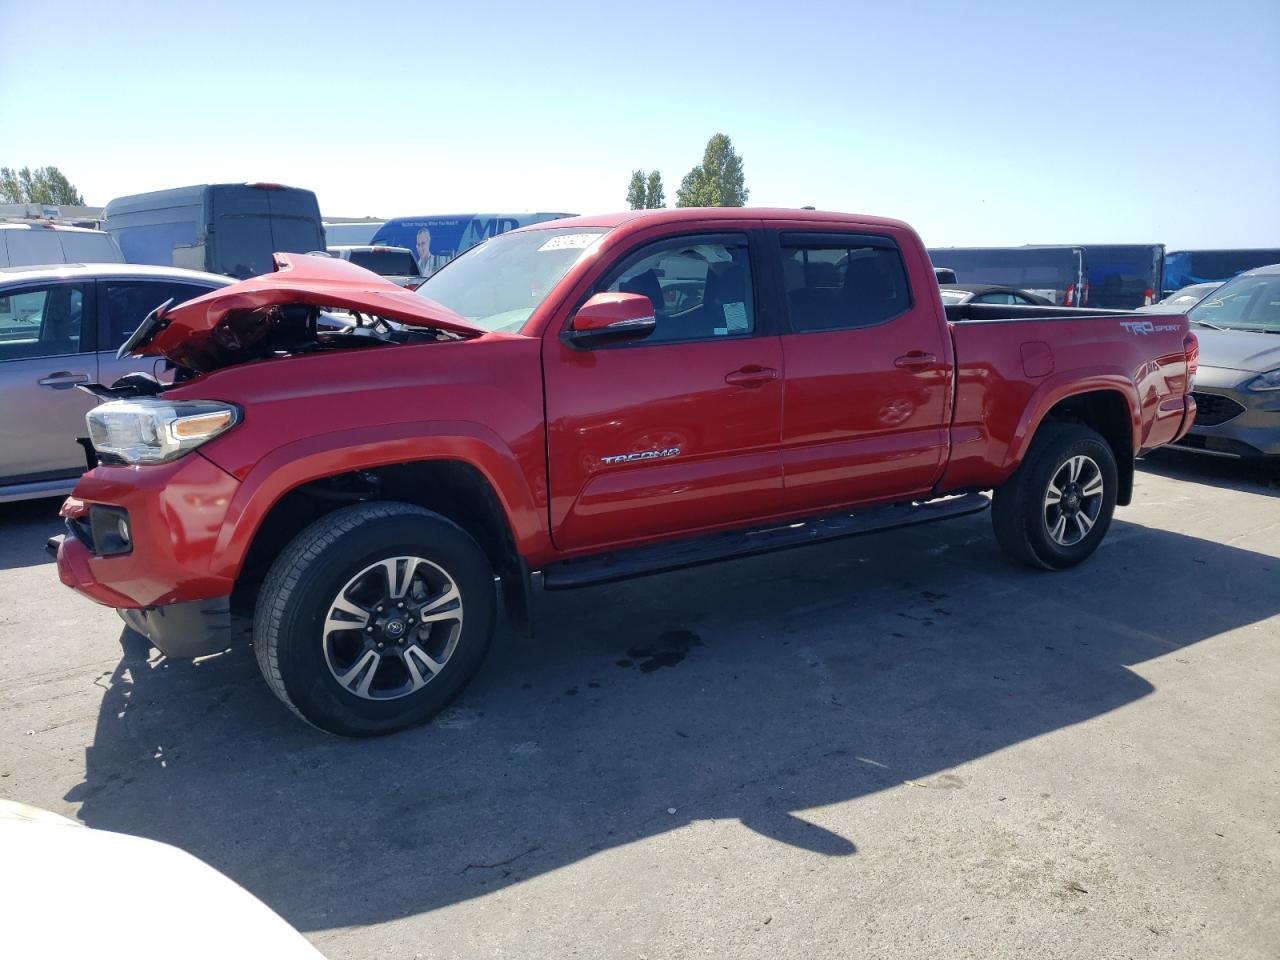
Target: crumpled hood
1238,349
198,333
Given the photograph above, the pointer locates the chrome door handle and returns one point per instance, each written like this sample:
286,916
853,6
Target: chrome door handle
751,376
916,358
63,380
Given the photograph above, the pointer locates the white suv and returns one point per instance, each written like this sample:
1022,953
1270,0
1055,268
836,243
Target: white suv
35,244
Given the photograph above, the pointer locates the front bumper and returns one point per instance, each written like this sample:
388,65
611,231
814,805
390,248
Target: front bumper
1231,421
184,630
178,630
164,586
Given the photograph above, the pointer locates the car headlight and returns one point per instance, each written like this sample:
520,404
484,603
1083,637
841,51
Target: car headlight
151,430
1268,381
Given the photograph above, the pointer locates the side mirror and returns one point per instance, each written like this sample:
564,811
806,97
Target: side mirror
612,318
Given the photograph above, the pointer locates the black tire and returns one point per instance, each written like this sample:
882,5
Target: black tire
1018,510
289,625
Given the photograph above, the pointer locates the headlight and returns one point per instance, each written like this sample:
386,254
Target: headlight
1268,381
151,430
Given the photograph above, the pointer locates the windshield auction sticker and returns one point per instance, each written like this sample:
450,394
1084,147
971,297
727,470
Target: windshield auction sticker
570,241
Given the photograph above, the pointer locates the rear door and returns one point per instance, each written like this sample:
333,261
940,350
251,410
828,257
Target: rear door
677,432
122,304
47,334
869,372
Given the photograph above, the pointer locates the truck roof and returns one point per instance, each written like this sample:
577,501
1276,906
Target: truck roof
677,215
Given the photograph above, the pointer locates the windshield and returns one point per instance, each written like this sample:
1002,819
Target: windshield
953,296
1246,303
1188,296
498,284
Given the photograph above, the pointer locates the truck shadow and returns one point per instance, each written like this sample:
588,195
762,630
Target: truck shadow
748,691
1243,475
25,526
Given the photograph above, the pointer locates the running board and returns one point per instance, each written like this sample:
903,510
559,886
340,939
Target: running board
640,561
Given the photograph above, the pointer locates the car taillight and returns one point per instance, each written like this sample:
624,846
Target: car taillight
414,284
1191,347
1070,301
1146,297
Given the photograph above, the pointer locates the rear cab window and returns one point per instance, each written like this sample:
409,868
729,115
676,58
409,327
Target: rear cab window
386,263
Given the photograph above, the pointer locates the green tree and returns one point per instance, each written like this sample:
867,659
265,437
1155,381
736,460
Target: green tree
716,182
42,185
655,196
635,191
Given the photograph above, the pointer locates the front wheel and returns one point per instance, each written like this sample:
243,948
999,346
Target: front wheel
374,618
1056,508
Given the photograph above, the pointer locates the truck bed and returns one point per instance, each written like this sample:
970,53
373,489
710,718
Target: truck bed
1015,363
987,312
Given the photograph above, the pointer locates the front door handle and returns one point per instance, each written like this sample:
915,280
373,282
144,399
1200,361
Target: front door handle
916,358
751,376
63,380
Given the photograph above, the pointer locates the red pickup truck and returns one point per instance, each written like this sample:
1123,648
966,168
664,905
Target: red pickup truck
587,399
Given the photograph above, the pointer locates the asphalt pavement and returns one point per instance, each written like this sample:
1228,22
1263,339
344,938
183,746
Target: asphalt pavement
892,746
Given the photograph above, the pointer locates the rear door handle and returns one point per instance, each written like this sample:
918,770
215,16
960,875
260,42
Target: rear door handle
916,358
751,376
63,380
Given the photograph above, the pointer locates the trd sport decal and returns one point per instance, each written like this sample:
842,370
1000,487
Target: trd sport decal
644,455
1144,327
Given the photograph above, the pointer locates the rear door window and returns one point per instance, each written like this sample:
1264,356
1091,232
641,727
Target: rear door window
127,302
830,283
46,321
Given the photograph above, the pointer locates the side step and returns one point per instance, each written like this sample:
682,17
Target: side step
639,561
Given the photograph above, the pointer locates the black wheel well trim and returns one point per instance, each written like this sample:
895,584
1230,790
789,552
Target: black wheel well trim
453,488
1106,411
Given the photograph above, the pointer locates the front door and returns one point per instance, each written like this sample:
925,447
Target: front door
678,431
868,374
46,350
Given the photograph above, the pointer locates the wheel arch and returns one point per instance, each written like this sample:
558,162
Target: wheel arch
1109,409
476,483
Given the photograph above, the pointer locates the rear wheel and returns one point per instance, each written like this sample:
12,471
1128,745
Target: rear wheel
374,618
1056,508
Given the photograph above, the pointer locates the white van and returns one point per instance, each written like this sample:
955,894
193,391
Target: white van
37,244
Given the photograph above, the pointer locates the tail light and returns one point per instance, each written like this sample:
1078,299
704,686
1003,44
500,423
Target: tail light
1191,347
1146,297
1070,301
414,284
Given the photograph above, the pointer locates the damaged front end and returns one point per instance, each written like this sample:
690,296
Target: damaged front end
288,312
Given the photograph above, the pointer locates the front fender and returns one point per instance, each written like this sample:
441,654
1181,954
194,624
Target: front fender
313,458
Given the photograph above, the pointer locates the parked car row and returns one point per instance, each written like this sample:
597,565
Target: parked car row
1109,276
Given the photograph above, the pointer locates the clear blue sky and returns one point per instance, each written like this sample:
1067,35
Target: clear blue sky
977,122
